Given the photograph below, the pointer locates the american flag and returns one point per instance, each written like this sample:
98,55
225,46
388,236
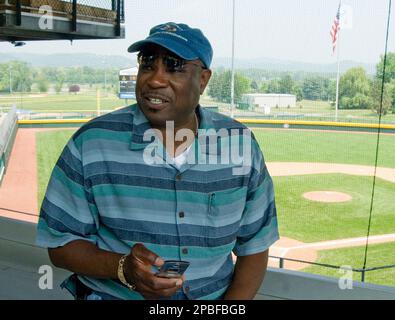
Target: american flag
335,29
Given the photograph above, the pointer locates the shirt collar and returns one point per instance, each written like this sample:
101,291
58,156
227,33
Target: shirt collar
141,125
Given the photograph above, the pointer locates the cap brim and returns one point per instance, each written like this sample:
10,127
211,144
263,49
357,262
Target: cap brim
169,44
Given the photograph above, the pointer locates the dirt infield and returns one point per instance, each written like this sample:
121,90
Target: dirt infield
18,192
19,188
281,169
327,196
289,248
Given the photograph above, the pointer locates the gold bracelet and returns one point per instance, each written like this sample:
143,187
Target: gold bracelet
121,273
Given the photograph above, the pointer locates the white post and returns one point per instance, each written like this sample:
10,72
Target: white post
232,85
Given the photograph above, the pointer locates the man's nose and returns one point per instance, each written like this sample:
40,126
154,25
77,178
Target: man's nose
159,77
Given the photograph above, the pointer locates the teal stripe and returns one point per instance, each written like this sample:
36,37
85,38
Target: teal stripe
126,191
214,295
75,188
232,195
103,134
101,150
196,252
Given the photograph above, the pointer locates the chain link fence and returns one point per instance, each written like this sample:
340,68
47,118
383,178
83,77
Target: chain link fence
106,11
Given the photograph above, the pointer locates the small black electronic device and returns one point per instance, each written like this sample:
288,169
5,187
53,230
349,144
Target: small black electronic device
172,269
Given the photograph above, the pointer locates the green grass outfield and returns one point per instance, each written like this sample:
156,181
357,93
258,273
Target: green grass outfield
86,101
378,255
331,147
311,221
49,145
300,219
63,102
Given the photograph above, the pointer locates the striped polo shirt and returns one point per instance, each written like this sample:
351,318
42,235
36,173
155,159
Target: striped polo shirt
107,189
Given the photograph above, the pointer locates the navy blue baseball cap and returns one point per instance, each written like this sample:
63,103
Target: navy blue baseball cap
186,42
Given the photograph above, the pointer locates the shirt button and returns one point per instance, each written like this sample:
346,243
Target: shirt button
181,214
185,250
186,289
178,177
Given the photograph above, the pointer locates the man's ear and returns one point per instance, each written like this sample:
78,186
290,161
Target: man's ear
204,79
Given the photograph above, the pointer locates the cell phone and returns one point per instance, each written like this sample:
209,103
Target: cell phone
172,269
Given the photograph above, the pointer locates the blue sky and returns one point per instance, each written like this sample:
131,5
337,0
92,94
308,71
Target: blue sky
296,30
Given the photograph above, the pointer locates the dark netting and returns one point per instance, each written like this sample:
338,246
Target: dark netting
101,10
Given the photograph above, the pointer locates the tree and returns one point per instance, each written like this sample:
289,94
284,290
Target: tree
254,86
330,90
392,91
42,84
220,86
273,86
74,88
285,84
354,89
4,78
214,86
376,94
389,68
242,84
312,88
59,86
389,74
297,91
20,74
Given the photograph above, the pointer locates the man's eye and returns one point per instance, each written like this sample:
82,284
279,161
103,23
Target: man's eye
179,68
146,66
174,65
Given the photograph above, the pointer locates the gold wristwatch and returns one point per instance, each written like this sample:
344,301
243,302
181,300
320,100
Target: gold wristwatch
121,273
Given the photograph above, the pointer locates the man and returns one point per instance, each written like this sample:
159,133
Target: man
147,183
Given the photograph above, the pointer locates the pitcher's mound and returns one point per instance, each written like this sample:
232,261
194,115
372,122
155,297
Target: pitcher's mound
327,196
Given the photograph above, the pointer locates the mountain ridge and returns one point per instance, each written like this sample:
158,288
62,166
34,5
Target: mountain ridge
123,62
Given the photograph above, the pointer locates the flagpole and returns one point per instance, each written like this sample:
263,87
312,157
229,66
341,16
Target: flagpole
232,85
338,66
338,75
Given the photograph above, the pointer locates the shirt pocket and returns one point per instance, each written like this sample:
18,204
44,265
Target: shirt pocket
230,201
224,212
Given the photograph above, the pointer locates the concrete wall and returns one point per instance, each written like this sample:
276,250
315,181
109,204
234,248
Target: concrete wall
20,260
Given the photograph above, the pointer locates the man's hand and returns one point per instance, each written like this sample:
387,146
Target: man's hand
137,270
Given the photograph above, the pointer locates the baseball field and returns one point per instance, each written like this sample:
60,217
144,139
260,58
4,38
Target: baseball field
312,223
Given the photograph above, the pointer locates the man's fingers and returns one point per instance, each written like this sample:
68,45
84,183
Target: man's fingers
153,287
145,256
148,293
157,283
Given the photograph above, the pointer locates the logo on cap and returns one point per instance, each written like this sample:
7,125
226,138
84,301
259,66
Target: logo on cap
171,28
